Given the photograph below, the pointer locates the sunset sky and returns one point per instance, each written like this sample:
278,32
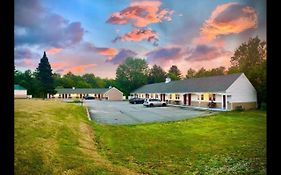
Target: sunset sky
95,36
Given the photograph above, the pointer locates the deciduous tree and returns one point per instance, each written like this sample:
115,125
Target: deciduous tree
131,74
250,58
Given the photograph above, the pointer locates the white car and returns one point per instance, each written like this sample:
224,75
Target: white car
154,102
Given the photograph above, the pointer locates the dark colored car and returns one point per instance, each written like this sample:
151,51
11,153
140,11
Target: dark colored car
89,98
136,101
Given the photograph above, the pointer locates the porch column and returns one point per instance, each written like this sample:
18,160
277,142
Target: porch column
225,101
222,102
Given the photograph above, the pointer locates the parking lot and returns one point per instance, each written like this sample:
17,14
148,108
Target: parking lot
122,112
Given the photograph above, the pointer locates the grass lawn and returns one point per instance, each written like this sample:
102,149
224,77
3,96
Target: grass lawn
225,143
56,138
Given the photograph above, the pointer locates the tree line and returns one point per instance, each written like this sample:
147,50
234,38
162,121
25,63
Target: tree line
249,58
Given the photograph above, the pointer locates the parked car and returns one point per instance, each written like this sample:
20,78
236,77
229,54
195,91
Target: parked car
154,102
136,100
89,98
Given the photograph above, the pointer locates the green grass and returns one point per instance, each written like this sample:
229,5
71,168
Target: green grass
225,143
56,138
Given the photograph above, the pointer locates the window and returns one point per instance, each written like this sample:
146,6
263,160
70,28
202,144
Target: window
146,95
177,96
170,96
212,97
156,95
202,97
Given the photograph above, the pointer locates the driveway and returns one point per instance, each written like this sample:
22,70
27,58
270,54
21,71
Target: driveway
122,112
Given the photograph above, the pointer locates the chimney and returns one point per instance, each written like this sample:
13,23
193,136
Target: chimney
73,87
168,80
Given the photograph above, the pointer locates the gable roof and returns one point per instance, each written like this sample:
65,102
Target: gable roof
204,84
82,90
18,87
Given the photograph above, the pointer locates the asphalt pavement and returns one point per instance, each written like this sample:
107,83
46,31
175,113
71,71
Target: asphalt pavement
122,112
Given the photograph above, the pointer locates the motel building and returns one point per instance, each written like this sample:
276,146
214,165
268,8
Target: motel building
110,93
223,93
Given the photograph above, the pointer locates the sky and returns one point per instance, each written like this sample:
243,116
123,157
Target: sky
94,36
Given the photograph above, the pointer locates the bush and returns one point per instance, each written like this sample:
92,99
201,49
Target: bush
239,108
263,106
75,101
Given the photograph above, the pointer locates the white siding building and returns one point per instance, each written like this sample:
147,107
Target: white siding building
19,91
111,93
225,92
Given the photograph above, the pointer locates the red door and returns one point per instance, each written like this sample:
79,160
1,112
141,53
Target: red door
99,96
189,99
223,103
184,99
164,97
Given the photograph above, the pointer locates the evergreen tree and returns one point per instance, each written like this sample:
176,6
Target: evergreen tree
45,76
156,74
190,73
174,73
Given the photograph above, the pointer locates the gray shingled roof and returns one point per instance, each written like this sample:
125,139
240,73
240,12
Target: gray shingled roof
18,87
82,90
205,84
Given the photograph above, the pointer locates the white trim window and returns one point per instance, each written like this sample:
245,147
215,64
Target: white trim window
170,96
212,97
177,96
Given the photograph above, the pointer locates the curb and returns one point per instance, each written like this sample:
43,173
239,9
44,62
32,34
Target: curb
88,114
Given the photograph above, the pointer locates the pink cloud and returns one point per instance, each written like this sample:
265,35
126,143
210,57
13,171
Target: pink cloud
109,52
229,18
57,65
139,35
141,14
79,68
27,62
54,50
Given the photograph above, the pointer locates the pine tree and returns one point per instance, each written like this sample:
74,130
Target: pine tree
174,73
156,74
45,76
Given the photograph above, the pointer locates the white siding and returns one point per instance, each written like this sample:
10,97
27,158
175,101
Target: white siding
20,92
194,97
242,90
